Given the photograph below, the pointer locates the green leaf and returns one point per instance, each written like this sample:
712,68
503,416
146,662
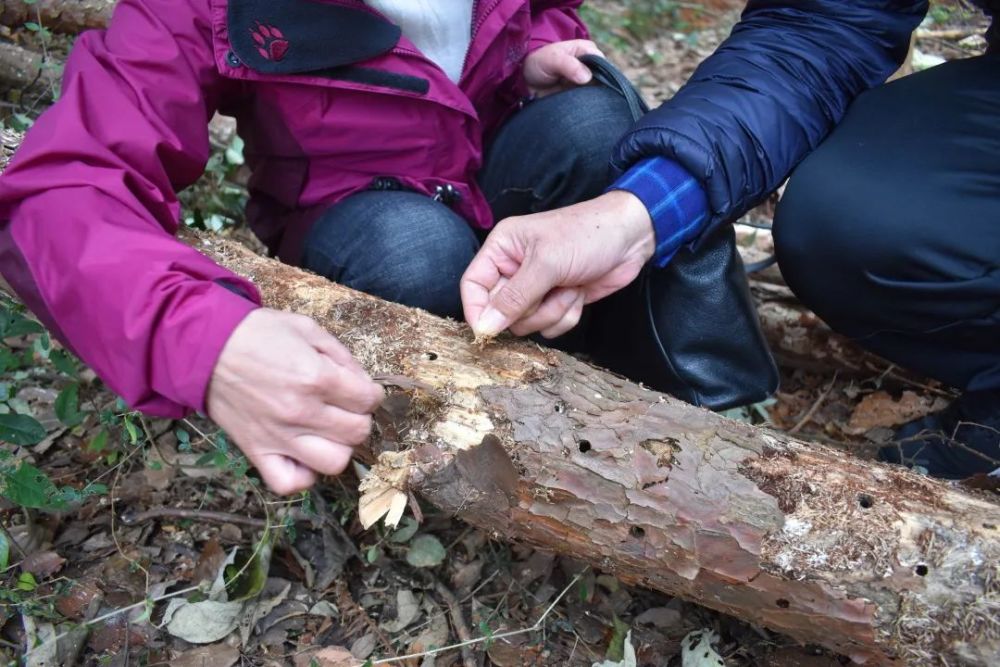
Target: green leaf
99,443
22,327
133,432
234,154
147,613
372,554
4,552
406,532
68,406
616,648
65,362
29,487
426,551
21,430
32,26
21,122
26,582
246,576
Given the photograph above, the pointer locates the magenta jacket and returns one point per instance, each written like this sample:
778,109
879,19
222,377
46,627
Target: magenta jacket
329,99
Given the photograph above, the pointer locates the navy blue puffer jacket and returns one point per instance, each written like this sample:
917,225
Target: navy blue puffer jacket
772,92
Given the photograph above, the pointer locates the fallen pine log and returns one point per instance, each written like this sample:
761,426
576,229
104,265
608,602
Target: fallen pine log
64,16
535,446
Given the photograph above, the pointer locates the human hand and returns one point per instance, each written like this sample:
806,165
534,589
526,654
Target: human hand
555,67
292,398
536,272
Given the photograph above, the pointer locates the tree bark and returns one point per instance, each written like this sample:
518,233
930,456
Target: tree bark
535,446
66,16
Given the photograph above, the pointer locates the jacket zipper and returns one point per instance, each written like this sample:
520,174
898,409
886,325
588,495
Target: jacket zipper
480,20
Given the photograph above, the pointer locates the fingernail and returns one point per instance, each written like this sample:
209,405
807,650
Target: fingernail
490,323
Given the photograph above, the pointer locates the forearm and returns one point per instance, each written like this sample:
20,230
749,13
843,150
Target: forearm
147,313
771,93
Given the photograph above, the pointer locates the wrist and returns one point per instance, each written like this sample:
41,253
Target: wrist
635,223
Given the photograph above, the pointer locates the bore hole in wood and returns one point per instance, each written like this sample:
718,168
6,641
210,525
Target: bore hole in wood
783,603
431,356
584,446
560,408
866,501
637,532
921,570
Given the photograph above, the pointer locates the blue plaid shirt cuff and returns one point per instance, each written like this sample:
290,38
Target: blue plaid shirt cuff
675,200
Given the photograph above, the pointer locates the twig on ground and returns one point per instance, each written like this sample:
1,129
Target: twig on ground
11,541
130,519
808,416
350,608
457,621
480,640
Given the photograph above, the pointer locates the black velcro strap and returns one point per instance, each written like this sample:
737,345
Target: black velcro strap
301,36
377,77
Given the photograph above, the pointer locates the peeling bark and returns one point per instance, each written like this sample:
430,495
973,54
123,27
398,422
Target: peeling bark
535,446
66,16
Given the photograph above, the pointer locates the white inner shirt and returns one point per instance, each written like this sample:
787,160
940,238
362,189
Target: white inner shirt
441,29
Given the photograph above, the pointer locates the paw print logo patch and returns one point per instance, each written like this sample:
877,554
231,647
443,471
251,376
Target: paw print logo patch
271,44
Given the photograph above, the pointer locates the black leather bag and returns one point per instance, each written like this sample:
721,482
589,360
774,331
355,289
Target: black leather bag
690,329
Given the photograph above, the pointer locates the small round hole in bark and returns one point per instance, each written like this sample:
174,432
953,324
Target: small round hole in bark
783,603
866,501
637,532
560,408
584,446
431,356
921,570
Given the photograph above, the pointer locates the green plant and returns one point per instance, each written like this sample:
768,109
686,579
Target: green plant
216,201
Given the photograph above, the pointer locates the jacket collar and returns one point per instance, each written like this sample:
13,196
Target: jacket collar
299,36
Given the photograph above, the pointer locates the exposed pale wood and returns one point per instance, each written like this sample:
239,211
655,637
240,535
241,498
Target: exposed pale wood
68,16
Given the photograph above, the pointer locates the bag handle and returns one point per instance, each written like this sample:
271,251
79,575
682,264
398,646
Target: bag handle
610,76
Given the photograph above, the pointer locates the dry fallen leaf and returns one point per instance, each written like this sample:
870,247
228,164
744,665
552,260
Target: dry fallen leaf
407,611
43,563
882,410
216,655
331,656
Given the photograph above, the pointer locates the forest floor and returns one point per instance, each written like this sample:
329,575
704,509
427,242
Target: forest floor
131,520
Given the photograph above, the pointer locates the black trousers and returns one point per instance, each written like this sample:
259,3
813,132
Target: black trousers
890,230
